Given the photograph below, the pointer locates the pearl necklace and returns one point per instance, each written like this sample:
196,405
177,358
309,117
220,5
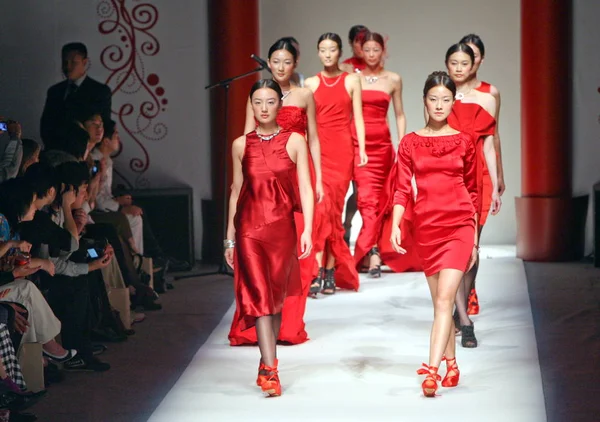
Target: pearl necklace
266,138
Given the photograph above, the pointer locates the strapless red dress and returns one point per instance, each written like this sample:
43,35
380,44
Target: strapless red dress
292,119
334,118
371,179
476,121
266,261
445,170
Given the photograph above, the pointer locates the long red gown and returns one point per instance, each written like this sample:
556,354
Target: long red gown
266,261
334,117
445,169
371,179
475,120
293,119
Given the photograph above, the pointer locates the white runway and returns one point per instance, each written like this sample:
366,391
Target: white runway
361,361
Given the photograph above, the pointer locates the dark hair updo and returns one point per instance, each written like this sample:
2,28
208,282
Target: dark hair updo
266,83
438,78
355,31
333,37
476,41
284,44
372,36
460,47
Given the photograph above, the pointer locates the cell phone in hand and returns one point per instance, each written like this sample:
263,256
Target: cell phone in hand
96,167
3,126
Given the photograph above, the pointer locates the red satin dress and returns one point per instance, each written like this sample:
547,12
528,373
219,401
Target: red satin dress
293,119
357,64
475,120
371,179
266,260
445,169
334,118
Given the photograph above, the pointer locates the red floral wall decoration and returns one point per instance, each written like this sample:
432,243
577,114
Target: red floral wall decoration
138,96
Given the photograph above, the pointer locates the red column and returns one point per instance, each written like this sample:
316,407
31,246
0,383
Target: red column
544,232
233,37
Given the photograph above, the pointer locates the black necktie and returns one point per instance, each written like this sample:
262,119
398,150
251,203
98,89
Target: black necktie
71,89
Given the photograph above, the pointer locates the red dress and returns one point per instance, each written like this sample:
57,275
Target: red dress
371,179
266,260
293,119
475,120
446,174
357,63
484,87
334,118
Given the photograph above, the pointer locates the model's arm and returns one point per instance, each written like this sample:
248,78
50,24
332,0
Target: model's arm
470,177
359,123
398,106
497,145
237,153
313,143
402,193
298,152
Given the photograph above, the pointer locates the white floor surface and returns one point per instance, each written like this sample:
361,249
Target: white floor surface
361,361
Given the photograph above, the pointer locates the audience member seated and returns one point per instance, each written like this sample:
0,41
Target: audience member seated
12,153
31,154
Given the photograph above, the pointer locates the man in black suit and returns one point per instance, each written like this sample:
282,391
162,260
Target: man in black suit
65,99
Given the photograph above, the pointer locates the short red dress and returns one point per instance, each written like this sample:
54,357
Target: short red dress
473,119
266,261
292,331
444,214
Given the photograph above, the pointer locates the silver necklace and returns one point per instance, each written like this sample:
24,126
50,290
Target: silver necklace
285,94
265,138
371,79
460,95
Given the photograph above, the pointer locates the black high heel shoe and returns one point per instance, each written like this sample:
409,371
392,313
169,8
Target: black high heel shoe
375,271
329,282
317,283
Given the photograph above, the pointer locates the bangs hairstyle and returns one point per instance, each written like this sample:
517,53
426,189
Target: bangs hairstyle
333,37
372,36
439,78
460,47
476,41
284,44
16,197
266,83
77,47
42,178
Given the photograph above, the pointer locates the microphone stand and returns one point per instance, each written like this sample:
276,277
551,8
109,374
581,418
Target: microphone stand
226,84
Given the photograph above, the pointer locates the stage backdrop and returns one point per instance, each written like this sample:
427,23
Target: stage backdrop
586,104
152,54
419,34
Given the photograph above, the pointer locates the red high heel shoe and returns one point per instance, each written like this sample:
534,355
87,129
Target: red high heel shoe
270,382
452,373
473,303
260,378
430,385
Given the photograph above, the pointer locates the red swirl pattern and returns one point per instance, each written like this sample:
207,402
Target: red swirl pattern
138,116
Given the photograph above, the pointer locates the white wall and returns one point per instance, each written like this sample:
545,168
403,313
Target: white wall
419,34
586,104
31,35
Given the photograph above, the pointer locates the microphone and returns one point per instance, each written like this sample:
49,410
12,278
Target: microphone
261,62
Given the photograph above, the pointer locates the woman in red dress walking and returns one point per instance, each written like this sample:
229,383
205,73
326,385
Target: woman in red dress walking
338,100
379,88
269,165
297,114
473,112
356,63
443,162
476,44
